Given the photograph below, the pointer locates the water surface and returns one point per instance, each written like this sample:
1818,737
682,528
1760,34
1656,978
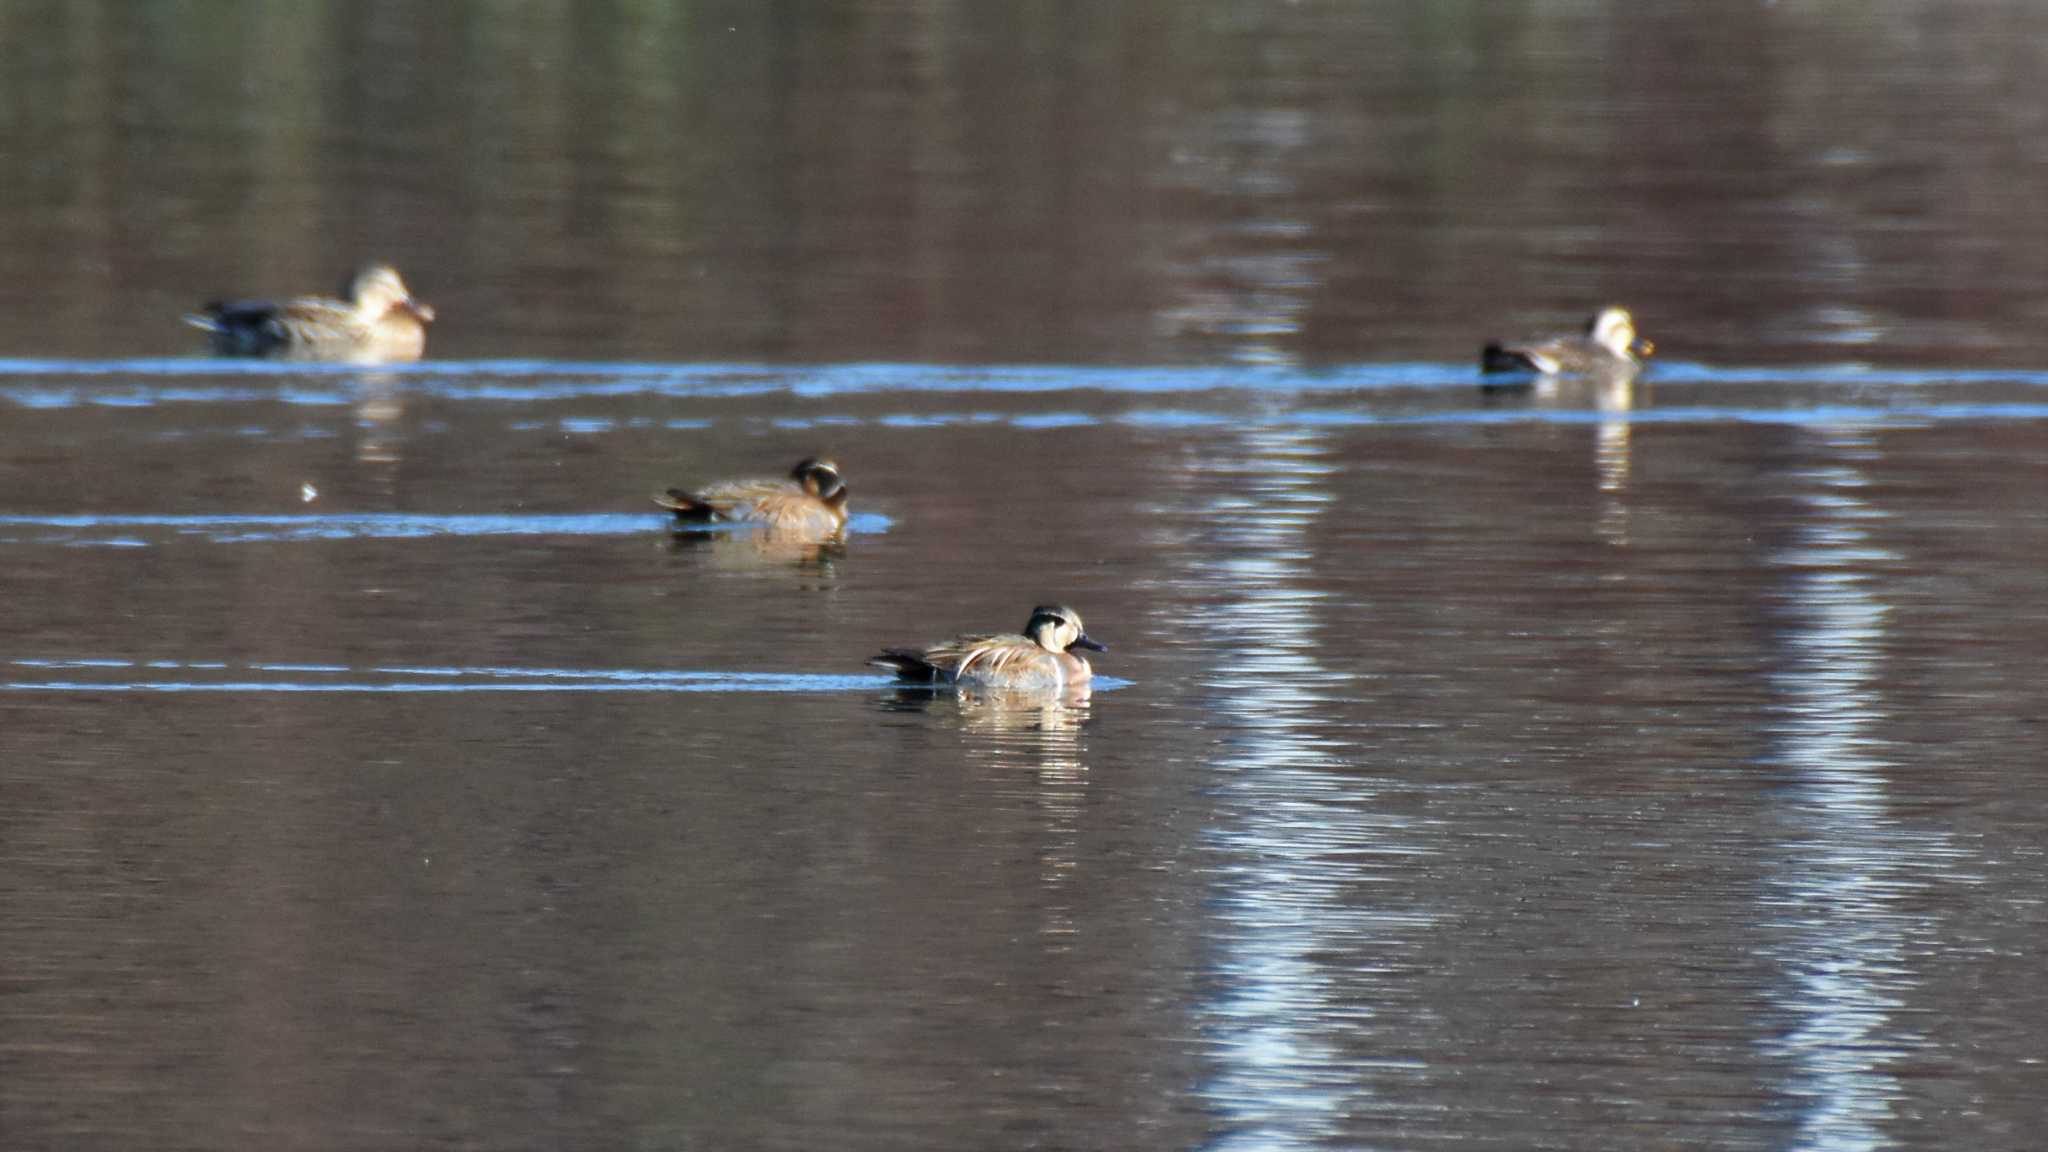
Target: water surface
1571,768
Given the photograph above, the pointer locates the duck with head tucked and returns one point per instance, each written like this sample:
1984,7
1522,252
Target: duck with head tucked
1608,345
379,322
1040,659
811,503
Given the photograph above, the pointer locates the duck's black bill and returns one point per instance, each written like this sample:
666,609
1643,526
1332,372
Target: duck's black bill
1083,641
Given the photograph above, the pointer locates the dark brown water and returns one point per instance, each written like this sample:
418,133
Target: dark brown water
1581,769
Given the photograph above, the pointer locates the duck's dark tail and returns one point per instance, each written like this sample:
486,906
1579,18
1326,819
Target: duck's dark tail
1501,358
909,664
686,506
242,327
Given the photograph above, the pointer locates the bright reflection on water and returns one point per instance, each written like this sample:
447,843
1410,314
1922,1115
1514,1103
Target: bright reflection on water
1298,845
1855,872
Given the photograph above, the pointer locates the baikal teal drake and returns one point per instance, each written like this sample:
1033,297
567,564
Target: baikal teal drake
1607,345
811,503
1039,659
378,322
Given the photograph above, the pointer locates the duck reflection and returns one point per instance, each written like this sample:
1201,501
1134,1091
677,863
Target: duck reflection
1612,454
994,711
763,549
1607,388
1012,733
1613,391
379,410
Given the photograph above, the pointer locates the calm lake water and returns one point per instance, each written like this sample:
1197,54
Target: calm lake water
1578,768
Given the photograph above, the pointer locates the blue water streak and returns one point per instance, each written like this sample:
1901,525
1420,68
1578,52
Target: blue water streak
258,677
369,526
790,683
30,382
288,527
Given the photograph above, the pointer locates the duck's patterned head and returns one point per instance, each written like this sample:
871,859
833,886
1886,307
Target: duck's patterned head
819,477
377,290
1056,628
1613,329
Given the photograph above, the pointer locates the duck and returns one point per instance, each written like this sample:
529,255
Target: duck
811,503
1608,345
1041,658
378,321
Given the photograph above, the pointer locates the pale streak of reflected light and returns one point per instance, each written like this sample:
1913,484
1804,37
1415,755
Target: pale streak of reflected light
1248,283
1297,836
1854,871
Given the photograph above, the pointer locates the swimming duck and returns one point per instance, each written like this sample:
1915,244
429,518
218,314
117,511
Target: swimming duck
379,321
1039,659
1608,344
812,502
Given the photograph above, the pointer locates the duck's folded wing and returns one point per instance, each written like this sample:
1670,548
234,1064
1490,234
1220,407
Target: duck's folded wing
996,657
735,500
317,320
977,655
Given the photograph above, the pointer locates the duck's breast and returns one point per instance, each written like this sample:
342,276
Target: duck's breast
398,337
794,512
